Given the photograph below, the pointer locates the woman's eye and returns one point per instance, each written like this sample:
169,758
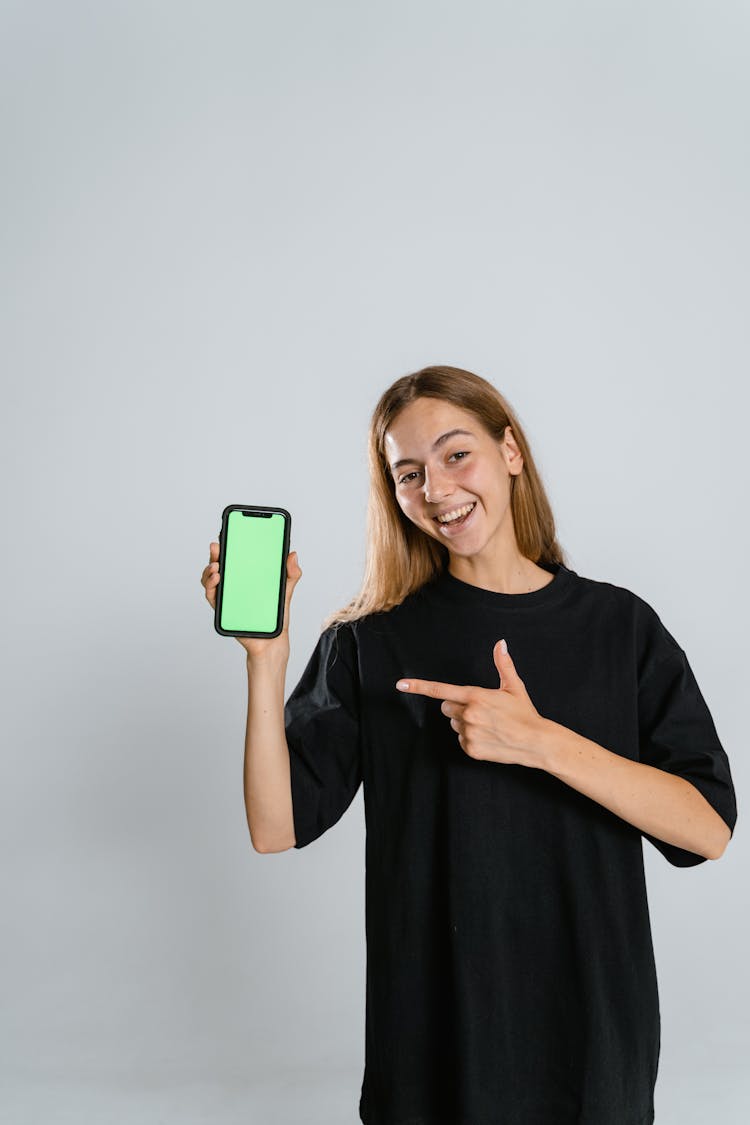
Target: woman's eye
461,453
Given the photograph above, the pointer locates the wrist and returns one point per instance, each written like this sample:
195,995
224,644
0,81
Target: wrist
550,745
273,663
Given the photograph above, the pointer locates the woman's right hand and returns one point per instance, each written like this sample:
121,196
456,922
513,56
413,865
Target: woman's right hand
255,646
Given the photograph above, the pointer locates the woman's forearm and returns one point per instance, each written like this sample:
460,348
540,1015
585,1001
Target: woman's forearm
657,802
267,778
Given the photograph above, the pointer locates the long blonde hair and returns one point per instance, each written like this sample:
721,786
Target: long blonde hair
399,556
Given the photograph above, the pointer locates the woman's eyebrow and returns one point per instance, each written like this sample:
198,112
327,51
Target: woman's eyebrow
435,445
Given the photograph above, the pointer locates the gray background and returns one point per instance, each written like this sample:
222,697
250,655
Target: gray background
226,229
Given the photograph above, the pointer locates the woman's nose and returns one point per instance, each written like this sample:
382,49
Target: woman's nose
435,489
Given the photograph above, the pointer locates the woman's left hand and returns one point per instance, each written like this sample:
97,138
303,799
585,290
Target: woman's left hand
493,724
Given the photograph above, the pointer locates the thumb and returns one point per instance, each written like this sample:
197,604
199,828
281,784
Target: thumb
509,677
293,575
293,571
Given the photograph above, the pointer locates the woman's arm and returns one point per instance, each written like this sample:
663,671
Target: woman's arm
502,725
267,775
659,803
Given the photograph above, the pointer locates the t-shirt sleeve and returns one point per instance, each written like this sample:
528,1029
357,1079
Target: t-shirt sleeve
322,719
677,733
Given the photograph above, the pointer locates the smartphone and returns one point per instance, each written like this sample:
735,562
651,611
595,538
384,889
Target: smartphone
253,548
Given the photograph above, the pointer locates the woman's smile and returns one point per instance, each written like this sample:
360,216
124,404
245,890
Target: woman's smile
455,526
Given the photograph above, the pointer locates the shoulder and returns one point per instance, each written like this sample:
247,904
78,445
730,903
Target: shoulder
633,615
608,597
341,638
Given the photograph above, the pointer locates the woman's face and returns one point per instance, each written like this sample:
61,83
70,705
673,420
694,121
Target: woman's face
437,479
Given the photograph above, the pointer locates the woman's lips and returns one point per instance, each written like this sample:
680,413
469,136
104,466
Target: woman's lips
455,528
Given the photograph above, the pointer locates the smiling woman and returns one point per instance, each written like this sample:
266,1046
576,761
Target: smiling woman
441,439
462,495
518,730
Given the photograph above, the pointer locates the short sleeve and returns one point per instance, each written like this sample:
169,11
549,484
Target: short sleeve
322,724
677,733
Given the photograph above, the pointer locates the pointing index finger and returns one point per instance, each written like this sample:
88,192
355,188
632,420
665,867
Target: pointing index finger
456,693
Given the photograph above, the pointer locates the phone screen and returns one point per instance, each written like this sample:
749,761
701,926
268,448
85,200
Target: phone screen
254,566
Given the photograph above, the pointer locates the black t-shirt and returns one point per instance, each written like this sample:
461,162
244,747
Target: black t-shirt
510,966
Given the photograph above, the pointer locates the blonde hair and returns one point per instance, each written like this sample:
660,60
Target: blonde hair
400,558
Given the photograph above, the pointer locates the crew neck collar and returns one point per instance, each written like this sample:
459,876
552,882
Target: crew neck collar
456,590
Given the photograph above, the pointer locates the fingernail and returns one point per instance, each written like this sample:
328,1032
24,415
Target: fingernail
403,685
503,646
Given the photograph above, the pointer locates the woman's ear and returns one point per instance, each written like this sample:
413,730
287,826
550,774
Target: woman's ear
511,452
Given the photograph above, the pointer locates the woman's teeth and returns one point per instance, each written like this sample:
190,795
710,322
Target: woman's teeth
456,514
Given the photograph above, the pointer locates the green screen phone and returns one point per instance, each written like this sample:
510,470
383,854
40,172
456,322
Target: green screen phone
253,549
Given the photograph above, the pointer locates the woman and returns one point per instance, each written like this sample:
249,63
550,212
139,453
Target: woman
517,729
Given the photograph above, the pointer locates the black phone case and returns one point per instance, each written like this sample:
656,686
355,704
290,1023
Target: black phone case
222,553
